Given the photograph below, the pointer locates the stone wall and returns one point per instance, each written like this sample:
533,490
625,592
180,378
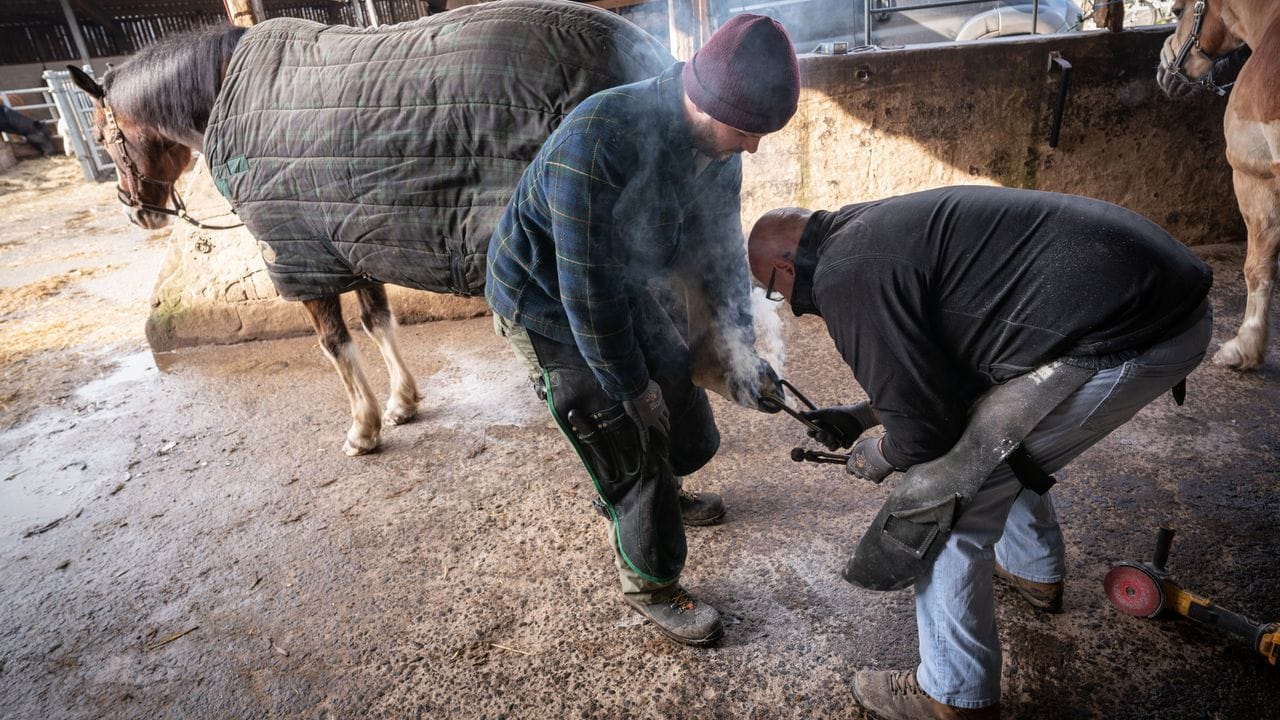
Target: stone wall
214,289
890,122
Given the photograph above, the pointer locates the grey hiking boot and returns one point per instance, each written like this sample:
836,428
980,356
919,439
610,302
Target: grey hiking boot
701,508
894,695
680,617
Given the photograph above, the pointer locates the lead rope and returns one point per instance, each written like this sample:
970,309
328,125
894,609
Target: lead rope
181,211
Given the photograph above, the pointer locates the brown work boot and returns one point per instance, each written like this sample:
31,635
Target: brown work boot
676,614
1042,596
894,695
701,508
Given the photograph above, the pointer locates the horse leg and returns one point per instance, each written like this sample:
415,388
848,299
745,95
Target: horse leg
1259,200
380,324
335,341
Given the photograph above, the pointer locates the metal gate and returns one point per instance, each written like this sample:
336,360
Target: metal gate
75,107
7,97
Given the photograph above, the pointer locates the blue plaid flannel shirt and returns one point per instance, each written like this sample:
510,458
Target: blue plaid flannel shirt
612,202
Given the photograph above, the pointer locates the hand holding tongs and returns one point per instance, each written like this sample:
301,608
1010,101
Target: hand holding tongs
800,454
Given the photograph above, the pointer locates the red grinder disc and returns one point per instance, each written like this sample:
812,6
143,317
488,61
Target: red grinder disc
1133,590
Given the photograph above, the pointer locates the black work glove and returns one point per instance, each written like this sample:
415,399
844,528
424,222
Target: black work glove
841,425
749,390
649,412
867,461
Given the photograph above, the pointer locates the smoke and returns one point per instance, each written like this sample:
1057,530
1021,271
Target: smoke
768,324
725,360
732,368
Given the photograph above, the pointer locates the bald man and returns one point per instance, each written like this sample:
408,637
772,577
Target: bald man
937,297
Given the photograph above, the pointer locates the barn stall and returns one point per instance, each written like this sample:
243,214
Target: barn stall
182,536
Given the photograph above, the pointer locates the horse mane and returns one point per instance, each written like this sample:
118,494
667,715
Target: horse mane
172,83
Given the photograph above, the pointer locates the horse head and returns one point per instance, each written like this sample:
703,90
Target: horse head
1202,37
148,162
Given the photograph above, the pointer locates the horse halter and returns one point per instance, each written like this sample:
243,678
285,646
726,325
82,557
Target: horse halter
1193,43
129,198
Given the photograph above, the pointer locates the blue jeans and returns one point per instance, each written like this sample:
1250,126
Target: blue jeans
955,613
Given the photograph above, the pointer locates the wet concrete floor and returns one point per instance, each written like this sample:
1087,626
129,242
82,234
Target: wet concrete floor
191,543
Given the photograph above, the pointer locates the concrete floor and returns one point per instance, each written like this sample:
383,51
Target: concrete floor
195,545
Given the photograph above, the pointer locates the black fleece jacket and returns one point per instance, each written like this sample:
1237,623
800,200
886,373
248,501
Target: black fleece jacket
934,297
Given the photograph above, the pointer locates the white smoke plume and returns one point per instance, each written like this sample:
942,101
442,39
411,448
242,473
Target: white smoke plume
768,326
735,369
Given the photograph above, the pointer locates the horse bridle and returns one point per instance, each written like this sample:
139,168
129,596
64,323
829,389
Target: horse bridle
130,198
1193,43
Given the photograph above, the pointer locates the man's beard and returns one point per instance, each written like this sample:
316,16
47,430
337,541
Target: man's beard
703,131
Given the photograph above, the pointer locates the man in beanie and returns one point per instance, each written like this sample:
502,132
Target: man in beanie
618,267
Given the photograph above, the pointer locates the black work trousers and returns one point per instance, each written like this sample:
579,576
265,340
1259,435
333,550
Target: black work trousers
637,487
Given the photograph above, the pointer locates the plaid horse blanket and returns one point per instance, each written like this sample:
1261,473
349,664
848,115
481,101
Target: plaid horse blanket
358,156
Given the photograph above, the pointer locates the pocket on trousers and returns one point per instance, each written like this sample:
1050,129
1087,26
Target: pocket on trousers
1150,375
1135,387
1110,405
614,452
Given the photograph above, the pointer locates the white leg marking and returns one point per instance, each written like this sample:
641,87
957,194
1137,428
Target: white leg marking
366,424
402,405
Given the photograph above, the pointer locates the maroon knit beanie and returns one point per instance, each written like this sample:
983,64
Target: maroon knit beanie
746,76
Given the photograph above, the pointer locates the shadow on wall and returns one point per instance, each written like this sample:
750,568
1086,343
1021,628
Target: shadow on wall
891,122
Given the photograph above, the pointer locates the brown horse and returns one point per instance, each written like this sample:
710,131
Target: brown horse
1207,31
362,157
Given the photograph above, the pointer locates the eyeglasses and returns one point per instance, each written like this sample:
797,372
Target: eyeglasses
769,293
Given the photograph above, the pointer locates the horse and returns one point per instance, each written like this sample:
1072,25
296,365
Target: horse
362,157
1209,31
33,131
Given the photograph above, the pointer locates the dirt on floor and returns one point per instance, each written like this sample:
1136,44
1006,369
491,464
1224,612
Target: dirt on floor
182,537
75,283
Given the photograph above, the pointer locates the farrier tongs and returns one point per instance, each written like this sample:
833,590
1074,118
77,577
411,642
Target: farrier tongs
800,454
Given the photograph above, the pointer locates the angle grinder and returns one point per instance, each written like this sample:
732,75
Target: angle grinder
1146,590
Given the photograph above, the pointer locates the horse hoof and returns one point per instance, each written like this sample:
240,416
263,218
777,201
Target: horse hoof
1229,355
399,415
363,448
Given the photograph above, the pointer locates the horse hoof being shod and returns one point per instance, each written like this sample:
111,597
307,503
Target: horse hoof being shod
1208,31
358,157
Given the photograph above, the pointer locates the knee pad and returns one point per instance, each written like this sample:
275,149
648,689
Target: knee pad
637,486
912,526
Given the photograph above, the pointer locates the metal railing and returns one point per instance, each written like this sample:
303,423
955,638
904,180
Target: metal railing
75,108
839,26
8,98
870,13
